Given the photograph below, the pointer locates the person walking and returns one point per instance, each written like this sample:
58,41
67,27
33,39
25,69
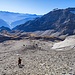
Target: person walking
19,61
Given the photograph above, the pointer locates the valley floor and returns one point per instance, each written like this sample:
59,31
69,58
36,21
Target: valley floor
37,58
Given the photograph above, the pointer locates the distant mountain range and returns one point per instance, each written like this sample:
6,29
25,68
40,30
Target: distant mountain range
58,22
11,19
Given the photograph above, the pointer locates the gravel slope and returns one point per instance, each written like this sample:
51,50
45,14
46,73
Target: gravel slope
36,59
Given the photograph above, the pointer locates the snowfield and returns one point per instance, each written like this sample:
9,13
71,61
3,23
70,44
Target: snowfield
68,42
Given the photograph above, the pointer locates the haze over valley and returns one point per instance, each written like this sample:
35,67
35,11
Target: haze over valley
12,19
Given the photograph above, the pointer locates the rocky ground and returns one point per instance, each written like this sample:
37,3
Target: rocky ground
38,58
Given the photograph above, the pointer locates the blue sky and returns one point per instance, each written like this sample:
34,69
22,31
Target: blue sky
34,6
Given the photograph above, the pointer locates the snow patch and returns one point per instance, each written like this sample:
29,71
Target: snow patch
73,12
66,21
68,42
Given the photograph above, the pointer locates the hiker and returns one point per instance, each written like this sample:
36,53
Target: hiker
19,61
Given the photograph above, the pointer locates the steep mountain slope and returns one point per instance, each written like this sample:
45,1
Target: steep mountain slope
61,20
4,29
3,23
19,22
11,17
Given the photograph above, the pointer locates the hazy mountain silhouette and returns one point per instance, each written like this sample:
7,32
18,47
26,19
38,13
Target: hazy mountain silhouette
3,23
10,18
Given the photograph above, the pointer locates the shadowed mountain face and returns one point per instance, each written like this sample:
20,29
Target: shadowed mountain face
4,29
61,20
13,24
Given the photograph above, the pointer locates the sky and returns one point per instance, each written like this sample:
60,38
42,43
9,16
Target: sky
38,7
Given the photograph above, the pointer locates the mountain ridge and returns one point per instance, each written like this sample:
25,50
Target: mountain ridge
61,20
